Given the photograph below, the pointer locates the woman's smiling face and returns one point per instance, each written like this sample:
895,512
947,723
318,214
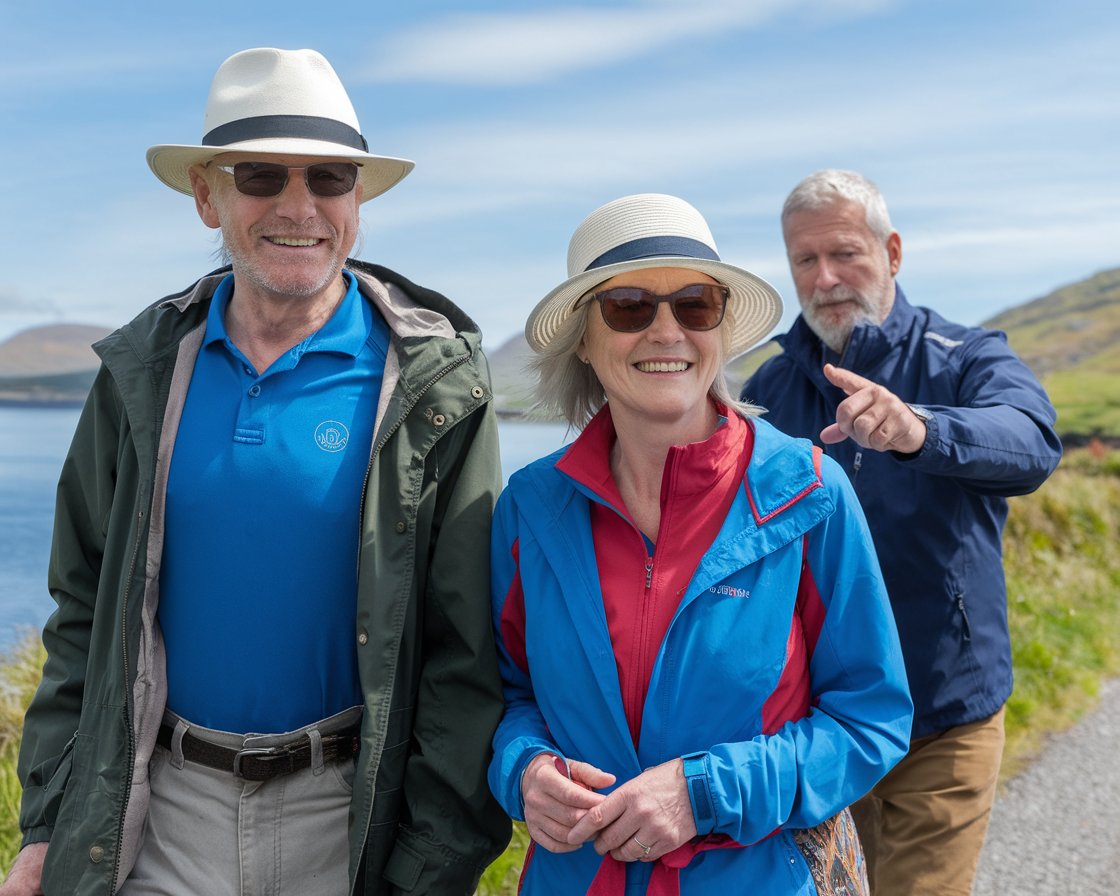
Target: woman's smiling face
662,373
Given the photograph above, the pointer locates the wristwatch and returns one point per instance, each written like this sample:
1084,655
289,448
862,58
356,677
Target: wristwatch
920,412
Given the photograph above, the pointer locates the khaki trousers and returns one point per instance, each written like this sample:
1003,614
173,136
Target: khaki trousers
209,833
923,825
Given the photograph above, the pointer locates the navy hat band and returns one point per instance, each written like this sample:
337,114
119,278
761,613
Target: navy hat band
651,247
308,127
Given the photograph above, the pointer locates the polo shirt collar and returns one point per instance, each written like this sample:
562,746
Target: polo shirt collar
345,333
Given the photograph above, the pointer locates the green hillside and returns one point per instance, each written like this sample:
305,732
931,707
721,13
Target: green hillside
1071,338
1074,327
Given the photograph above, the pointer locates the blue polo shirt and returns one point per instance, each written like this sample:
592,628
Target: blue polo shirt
258,586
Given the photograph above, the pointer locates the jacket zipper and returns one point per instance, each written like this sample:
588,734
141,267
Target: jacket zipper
967,630
857,463
649,571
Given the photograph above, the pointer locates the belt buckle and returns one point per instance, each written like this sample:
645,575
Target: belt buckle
262,753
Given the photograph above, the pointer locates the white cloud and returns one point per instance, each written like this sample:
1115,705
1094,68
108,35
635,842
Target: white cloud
535,46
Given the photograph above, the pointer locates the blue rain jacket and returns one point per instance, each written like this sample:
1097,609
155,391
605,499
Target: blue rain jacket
793,525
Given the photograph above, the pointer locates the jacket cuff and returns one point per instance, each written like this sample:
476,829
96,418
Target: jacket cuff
699,792
40,834
932,433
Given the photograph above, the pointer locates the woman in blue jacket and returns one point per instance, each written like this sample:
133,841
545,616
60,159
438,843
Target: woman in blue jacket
701,669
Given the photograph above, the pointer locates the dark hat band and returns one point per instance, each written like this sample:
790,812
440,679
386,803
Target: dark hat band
653,246
308,127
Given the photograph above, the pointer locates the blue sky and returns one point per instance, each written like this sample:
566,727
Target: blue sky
992,128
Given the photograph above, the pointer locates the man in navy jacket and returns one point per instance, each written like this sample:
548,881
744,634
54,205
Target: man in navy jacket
937,424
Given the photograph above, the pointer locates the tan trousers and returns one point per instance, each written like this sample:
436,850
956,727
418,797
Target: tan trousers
211,834
923,825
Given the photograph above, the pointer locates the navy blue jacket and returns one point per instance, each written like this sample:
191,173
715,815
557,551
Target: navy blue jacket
936,516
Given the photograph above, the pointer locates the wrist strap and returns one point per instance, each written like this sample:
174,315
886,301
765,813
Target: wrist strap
696,779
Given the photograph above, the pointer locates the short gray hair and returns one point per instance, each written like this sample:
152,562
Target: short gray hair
824,187
569,389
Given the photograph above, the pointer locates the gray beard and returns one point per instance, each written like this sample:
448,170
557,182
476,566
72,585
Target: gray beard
836,338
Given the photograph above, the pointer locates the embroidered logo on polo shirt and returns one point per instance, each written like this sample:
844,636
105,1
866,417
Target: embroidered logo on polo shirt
729,591
330,435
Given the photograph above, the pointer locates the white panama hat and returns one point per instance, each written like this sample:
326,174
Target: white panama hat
278,102
653,230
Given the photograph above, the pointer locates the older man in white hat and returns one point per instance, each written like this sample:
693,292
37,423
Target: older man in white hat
271,669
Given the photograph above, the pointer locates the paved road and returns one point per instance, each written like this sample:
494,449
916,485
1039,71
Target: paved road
1056,828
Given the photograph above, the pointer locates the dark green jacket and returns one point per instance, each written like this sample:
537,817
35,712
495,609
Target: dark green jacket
423,819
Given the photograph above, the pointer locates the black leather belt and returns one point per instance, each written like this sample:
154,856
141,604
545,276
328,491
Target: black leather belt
262,763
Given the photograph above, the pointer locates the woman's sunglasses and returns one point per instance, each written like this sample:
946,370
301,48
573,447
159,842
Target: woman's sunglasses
629,309
263,179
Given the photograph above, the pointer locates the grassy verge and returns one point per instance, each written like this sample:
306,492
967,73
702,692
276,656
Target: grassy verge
1063,574
19,676
1087,400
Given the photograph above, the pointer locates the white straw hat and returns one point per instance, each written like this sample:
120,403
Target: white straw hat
652,230
278,102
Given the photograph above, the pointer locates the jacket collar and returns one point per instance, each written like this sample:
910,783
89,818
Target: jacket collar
783,500
410,310
139,354
696,468
868,345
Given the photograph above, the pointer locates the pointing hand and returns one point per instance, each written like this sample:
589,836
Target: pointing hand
872,415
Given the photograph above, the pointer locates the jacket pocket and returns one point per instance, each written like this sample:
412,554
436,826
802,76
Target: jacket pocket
417,865
71,787
50,779
404,867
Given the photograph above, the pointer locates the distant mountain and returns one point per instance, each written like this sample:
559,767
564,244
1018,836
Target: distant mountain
1070,338
510,373
51,364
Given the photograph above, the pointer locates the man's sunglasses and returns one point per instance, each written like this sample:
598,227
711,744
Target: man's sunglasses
263,179
629,309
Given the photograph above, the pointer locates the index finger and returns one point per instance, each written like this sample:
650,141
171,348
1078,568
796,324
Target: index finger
845,379
575,795
566,792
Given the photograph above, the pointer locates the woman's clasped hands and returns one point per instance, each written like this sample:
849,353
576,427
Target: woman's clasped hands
645,818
